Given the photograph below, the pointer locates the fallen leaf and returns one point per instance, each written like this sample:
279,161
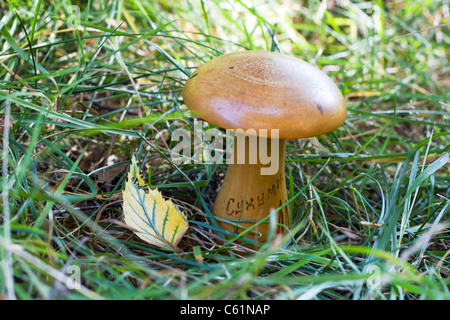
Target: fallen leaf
155,220
108,174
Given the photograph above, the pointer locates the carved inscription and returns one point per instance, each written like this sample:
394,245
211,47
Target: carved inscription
237,206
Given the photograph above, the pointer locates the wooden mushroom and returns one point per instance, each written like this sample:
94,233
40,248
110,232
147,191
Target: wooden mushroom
262,90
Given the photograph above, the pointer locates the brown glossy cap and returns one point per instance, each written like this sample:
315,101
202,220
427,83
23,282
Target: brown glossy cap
265,90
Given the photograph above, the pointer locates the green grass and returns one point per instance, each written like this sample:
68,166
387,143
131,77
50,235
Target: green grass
369,201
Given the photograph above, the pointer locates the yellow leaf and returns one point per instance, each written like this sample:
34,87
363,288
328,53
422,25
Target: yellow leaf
134,172
153,219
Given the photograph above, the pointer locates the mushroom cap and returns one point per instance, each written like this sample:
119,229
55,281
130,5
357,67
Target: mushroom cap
265,90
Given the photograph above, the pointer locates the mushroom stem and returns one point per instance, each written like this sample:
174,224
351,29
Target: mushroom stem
247,195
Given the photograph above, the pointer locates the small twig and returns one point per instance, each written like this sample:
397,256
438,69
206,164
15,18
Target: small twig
419,31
